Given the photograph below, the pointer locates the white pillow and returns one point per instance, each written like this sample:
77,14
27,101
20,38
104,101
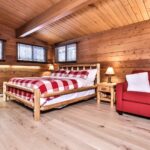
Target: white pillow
92,74
138,82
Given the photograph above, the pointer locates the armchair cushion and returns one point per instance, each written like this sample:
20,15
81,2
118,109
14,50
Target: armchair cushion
139,71
138,82
139,97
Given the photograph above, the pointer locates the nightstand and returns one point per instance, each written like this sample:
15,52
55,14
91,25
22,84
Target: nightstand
106,92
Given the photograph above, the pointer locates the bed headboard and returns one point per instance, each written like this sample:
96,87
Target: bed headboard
83,67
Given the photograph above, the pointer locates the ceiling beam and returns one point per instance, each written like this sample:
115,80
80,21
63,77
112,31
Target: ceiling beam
51,15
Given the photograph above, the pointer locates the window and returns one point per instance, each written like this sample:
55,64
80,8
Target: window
66,53
31,53
1,49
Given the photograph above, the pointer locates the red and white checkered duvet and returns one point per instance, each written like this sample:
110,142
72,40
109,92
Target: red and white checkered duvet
44,84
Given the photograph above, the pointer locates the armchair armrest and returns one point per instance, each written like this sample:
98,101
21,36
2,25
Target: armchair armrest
120,89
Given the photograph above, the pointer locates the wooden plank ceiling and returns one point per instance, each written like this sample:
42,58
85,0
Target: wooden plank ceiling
101,16
55,13
15,13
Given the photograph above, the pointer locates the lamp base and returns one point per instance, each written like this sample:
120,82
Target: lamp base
109,79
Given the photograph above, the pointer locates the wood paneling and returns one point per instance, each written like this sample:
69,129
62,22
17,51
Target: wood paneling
52,15
125,49
8,34
14,13
98,17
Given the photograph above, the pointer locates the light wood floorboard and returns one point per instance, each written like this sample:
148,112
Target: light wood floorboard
82,126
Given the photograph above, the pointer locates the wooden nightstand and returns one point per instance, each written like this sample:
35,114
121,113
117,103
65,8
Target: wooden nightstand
106,92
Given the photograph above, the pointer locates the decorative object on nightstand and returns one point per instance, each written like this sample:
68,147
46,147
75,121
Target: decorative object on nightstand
51,67
49,71
109,72
106,92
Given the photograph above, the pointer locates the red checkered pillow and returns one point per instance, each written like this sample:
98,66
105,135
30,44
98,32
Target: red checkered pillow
59,73
78,74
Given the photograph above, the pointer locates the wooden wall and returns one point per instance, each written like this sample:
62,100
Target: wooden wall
125,49
7,72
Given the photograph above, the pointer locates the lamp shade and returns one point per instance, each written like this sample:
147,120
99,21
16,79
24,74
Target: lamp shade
51,67
110,71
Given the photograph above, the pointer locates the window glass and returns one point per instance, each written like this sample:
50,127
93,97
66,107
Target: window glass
38,54
1,49
24,52
61,54
71,52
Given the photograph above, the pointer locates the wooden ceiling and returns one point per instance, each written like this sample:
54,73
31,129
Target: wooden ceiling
101,16
15,13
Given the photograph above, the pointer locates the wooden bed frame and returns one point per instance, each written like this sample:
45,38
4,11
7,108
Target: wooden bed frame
36,104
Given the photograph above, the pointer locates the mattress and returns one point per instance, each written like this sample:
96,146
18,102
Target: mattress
68,97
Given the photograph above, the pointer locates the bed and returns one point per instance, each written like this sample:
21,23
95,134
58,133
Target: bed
45,93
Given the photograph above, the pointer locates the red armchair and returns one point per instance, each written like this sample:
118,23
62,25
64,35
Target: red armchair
137,103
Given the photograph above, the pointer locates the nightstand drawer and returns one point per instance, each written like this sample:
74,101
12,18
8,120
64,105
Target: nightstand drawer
104,88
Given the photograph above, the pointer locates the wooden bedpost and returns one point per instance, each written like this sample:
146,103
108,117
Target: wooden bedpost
37,104
4,91
98,73
98,81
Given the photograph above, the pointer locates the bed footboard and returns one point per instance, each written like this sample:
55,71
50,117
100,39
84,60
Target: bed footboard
34,105
37,96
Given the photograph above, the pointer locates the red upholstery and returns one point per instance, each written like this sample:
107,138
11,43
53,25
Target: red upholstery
132,102
139,97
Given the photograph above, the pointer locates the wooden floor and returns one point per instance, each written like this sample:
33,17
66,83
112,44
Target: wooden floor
83,126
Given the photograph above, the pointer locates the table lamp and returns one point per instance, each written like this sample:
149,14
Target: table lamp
109,72
51,67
